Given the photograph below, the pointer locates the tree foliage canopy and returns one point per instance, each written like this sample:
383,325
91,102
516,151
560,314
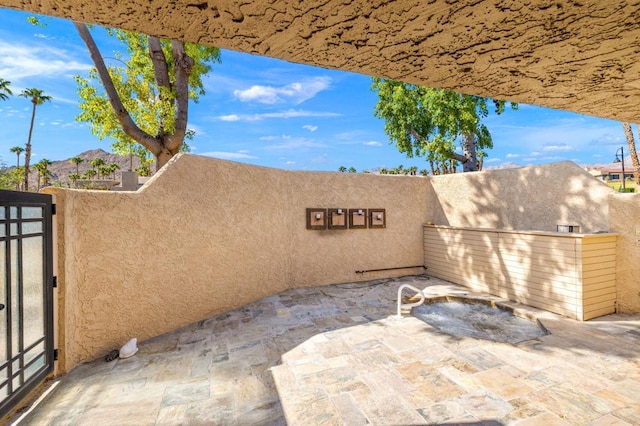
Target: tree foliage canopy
429,122
153,80
5,91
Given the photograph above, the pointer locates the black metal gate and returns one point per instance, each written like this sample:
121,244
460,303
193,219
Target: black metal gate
26,294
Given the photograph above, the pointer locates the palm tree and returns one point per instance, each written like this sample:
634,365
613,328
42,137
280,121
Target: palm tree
104,171
342,169
17,150
112,169
44,173
73,177
89,174
632,151
352,169
37,98
95,164
4,89
77,161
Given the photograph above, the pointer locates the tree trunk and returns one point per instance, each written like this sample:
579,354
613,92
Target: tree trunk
27,152
628,133
469,152
163,158
162,146
127,123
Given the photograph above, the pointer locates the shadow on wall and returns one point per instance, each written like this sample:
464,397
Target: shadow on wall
529,198
625,220
525,199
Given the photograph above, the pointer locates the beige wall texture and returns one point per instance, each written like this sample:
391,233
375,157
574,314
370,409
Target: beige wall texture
579,56
538,198
625,220
535,198
205,236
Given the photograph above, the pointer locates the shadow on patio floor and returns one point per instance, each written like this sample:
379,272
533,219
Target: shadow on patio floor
338,355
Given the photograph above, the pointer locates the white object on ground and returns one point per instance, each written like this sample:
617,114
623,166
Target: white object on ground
129,349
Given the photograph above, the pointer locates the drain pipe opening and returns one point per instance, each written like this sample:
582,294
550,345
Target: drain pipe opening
363,271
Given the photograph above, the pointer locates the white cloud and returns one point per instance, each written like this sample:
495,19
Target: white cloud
513,155
310,128
296,144
230,117
492,160
296,92
283,114
290,163
240,155
274,138
557,148
372,143
24,62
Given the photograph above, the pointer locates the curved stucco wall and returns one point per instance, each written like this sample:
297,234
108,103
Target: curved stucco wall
205,236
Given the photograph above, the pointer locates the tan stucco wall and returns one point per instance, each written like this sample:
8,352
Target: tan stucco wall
578,56
625,220
205,236
535,198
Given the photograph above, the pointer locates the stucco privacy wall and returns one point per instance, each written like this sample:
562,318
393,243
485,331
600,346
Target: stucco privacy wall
205,236
535,198
625,220
538,198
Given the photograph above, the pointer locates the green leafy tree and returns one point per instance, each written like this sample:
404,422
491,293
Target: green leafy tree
146,100
342,169
77,161
10,177
37,97
5,92
352,170
422,121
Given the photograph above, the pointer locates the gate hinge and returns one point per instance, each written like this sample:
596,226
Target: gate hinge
54,282
56,353
54,210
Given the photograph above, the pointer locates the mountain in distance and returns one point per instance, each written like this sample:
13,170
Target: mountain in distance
60,170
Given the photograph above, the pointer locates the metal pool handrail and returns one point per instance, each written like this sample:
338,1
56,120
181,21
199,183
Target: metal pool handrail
408,305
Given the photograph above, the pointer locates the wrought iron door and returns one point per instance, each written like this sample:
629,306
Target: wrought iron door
26,294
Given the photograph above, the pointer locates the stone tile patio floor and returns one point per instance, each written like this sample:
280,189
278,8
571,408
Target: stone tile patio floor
338,355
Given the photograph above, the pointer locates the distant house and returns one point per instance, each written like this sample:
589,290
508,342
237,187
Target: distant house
613,173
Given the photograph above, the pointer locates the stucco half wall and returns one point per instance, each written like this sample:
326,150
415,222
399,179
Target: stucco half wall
204,236
535,198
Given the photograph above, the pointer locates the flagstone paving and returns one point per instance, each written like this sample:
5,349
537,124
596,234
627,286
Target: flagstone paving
339,355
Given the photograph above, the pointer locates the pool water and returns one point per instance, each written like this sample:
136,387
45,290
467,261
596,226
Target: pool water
479,321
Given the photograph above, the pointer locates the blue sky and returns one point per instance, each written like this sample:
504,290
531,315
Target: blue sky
265,111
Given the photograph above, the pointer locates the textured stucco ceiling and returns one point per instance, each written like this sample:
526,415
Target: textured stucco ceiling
567,54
